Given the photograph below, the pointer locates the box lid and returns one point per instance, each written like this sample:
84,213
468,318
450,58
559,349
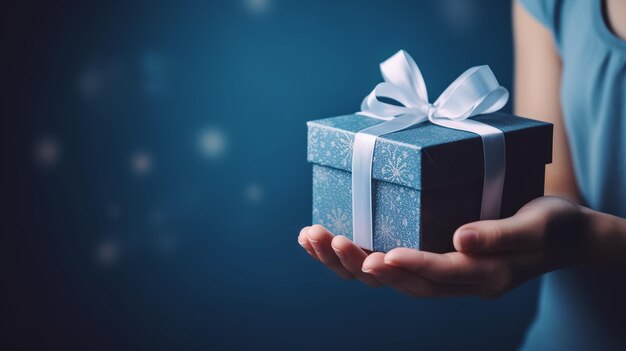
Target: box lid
426,155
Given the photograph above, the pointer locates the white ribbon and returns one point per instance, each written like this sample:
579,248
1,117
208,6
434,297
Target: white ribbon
474,92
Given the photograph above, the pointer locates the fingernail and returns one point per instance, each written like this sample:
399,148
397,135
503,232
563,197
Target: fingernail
301,243
339,253
390,261
309,237
468,239
367,269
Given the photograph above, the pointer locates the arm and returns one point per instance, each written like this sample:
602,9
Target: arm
537,86
495,256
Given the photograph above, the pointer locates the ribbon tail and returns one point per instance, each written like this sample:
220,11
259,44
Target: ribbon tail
494,151
494,163
362,160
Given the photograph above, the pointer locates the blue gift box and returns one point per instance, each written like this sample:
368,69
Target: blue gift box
426,180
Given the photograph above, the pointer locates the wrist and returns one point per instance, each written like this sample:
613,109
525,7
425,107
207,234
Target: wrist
607,237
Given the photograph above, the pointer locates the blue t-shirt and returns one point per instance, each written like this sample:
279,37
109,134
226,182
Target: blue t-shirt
585,309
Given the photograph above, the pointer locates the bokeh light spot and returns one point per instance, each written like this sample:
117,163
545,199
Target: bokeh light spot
99,79
257,7
213,143
157,218
152,66
114,212
460,15
91,83
107,252
253,193
167,243
47,152
141,163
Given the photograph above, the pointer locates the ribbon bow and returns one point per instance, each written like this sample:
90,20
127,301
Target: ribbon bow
474,92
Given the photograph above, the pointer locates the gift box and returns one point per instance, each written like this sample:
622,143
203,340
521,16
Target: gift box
404,172
427,180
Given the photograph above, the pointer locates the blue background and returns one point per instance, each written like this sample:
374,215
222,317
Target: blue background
154,173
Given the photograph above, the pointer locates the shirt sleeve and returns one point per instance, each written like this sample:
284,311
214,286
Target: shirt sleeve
544,11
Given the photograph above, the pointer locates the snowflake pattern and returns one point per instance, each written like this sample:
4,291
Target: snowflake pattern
396,200
331,143
387,233
344,144
337,221
320,178
396,209
384,198
396,221
395,167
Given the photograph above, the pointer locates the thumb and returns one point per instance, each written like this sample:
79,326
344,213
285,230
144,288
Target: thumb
523,231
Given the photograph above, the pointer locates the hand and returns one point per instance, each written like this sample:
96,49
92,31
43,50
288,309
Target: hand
492,257
340,254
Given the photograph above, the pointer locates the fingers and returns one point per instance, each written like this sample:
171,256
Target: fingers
494,275
413,284
516,268
523,231
352,257
546,222
426,274
303,240
320,240
454,267
339,253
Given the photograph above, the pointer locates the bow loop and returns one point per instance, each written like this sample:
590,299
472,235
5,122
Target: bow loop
402,71
474,92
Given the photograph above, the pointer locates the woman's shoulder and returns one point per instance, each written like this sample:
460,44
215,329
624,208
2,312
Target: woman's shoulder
553,14
545,11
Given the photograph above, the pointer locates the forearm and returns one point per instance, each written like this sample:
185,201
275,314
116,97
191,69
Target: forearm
608,238
538,70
